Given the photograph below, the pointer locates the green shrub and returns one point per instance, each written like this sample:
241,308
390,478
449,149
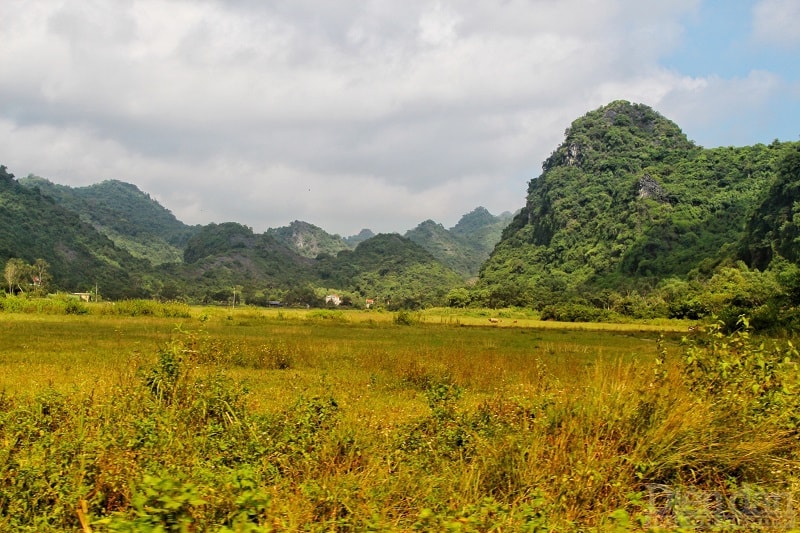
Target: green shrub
159,504
406,318
753,381
572,312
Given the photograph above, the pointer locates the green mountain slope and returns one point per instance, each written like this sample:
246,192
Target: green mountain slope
34,226
391,269
125,214
482,229
221,256
308,240
624,201
363,235
446,247
465,246
774,229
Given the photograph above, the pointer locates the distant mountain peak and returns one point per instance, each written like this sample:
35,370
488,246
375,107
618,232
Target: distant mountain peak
465,246
478,216
308,240
362,236
620,127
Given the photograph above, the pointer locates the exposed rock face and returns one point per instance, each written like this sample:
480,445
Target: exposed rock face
573,156
650,188
308,240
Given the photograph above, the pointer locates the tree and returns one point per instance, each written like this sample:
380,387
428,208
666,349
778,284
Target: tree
15,272
304,295
40,275
458,297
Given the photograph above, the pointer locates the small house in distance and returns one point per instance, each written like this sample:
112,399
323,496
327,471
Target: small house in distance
333,299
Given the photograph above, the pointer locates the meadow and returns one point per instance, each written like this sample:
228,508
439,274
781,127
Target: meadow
141,416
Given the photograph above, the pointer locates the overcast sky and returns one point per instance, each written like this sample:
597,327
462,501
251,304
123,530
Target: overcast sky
369,113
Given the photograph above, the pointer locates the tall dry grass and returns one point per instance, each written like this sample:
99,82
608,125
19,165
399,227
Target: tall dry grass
256,423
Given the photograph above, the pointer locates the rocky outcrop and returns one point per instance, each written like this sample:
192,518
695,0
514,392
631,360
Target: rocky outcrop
650,188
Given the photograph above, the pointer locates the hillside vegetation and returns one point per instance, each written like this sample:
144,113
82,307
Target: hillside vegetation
628,219
627,205
33,226
465,246
124,214
114,238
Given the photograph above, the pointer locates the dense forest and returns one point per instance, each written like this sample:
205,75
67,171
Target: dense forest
628,219
631,218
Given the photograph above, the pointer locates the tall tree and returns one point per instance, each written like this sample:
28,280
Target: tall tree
15,271
40,275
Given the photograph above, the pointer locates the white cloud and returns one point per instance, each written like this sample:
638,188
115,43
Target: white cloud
728,109
350,114
775,22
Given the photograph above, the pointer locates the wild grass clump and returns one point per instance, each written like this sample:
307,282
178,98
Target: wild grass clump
416,374
152,308
327,315
272,354
58,304
407,318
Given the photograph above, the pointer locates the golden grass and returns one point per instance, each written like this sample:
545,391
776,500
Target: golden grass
355,355
565,420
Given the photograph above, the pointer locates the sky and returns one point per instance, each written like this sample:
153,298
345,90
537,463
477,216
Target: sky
371,114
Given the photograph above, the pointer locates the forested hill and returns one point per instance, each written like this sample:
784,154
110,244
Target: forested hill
391,269
33,226
125,214
774,229
309,240
465,246
625,202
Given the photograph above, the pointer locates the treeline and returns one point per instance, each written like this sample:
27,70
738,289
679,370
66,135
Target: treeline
770,298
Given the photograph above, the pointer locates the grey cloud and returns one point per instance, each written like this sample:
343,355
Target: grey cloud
348,114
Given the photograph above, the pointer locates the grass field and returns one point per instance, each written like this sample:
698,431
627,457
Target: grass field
262,420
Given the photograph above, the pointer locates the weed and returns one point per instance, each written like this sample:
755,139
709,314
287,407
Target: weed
159,503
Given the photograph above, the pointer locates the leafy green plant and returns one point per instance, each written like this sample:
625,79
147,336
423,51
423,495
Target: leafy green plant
159,503
163,379
755,382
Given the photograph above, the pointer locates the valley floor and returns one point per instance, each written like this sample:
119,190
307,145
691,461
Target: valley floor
253,420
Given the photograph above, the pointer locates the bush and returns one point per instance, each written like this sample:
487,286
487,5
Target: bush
406,318
139,307
571,312
745,377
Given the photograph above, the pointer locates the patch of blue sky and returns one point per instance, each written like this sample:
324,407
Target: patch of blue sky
719,42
